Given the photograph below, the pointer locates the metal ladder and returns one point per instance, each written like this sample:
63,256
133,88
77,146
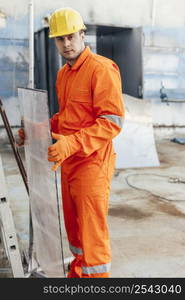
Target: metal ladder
7,230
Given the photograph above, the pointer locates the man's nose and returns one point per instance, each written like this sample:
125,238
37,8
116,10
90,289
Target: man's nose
66,42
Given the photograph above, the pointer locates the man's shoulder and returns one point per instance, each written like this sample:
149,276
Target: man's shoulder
61,71
100,61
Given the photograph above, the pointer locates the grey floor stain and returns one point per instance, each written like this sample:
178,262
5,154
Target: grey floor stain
128,212
168,208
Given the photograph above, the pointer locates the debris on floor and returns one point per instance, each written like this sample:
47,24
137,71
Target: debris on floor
178,140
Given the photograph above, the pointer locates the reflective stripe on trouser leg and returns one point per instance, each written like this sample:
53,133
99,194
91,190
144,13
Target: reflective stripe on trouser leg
75,250
105,268
114,118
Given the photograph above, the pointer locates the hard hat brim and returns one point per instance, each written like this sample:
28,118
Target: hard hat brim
67,33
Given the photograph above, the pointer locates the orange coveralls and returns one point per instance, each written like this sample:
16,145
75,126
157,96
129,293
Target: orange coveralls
90,115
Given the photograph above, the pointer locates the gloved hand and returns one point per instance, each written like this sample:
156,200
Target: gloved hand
21,134
62,149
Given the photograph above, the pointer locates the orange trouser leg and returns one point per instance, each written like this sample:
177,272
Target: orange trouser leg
72,227
86,219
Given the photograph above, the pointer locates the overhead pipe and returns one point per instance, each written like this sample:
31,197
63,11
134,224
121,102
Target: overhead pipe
31,45
153,12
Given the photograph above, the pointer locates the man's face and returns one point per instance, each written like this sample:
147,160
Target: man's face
70,46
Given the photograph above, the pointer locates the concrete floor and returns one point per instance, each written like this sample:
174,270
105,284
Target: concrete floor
147,224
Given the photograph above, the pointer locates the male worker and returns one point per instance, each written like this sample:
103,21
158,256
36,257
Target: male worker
90,115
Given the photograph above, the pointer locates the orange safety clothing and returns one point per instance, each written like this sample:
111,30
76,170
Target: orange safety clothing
90,114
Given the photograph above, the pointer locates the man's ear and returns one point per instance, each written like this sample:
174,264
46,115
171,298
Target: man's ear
82,33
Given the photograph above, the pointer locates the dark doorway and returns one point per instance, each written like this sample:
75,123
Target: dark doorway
124,46
47,64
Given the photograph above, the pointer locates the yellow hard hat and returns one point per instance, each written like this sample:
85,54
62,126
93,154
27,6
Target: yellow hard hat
65,21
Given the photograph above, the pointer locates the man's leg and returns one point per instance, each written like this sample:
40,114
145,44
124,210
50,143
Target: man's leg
89,190
72,228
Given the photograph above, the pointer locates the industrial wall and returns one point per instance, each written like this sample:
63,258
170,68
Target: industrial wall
164,67
124,13
163,49
13,61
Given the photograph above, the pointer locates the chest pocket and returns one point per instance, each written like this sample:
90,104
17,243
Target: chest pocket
81,96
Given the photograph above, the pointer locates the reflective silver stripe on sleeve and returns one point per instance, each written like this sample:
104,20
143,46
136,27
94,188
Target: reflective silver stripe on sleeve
75,250
115,119
96,269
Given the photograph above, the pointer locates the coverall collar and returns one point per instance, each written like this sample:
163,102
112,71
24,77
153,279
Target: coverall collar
80,59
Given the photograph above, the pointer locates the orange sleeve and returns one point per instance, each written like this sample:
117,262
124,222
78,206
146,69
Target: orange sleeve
107,101
54,123
55,117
